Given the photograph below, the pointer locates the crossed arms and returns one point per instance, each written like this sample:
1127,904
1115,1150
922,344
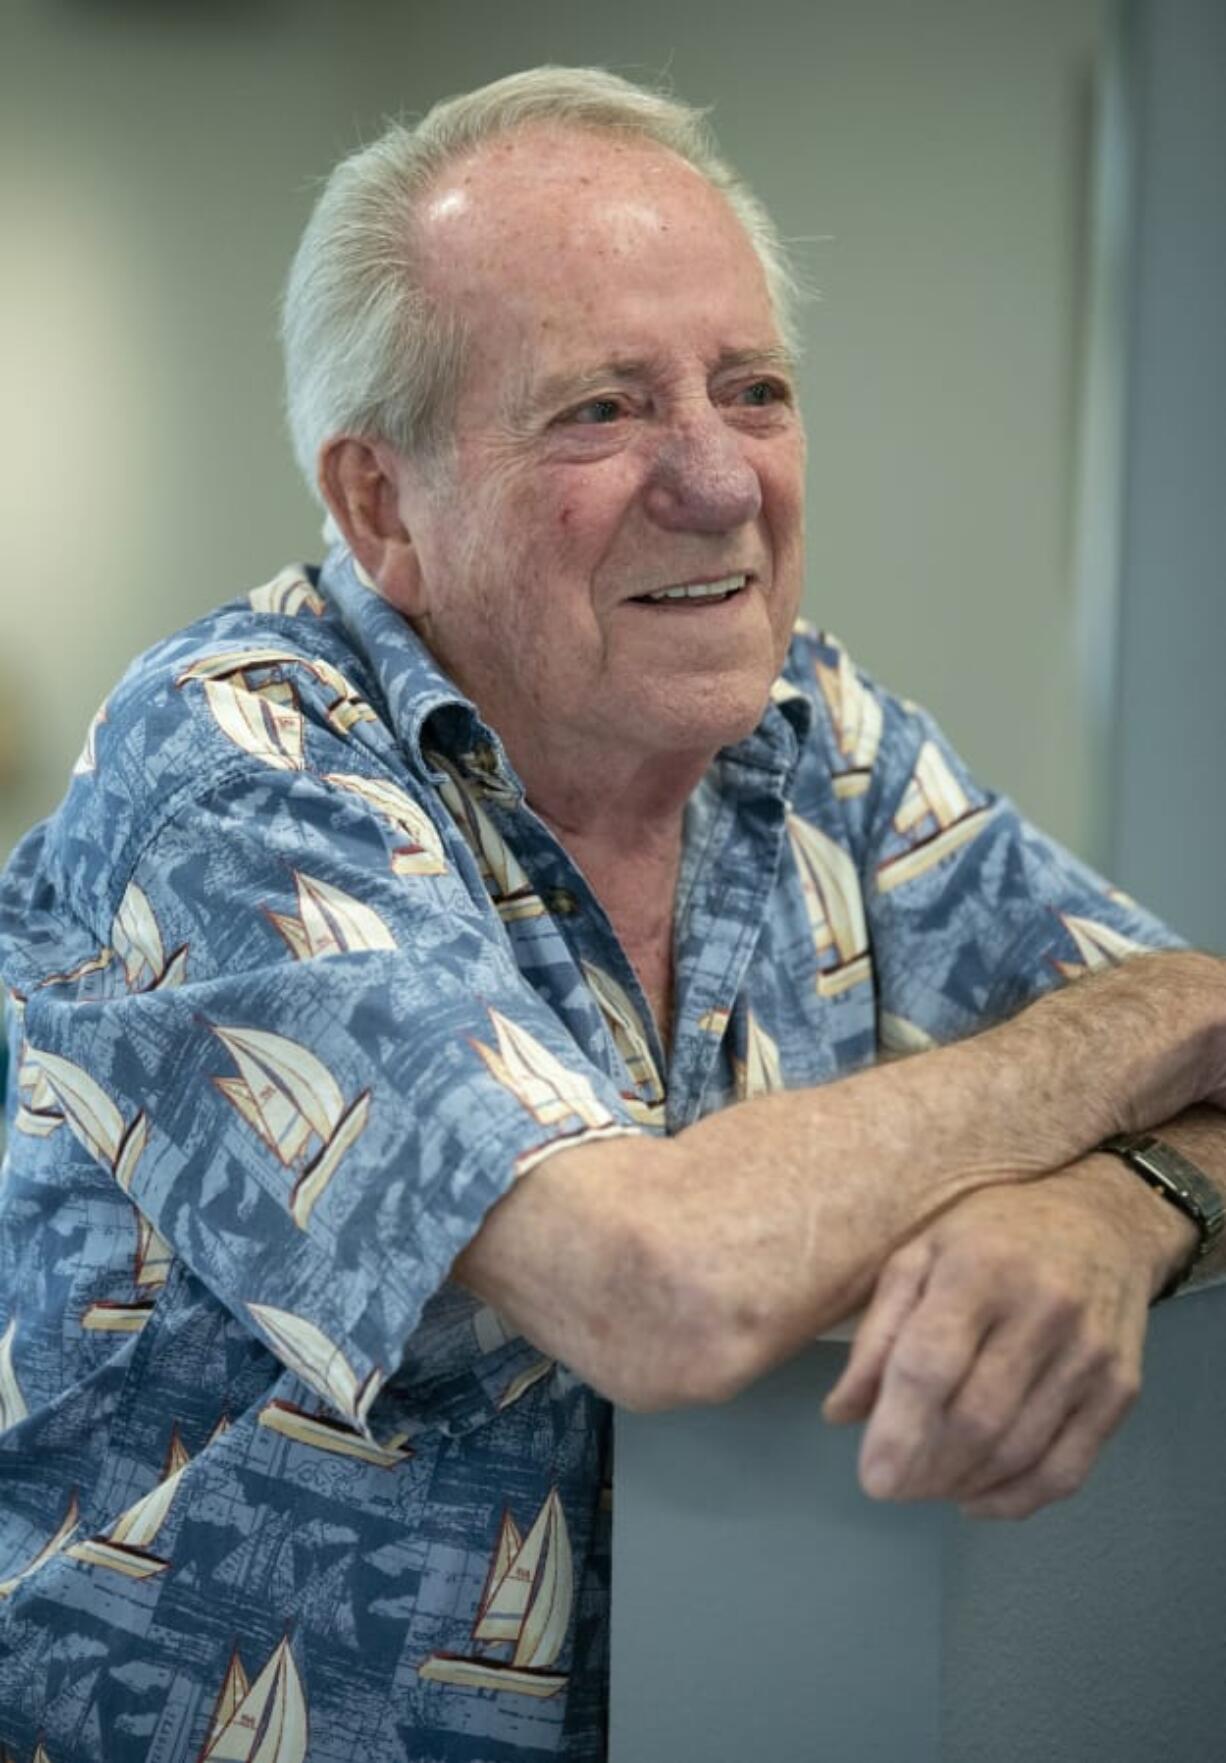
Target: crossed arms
1006,1266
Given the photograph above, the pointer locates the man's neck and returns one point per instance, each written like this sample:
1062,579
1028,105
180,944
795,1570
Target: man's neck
628,847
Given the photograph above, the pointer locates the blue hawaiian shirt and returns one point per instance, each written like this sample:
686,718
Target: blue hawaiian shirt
299,986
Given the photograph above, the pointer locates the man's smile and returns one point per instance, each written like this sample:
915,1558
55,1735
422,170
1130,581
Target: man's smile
692,594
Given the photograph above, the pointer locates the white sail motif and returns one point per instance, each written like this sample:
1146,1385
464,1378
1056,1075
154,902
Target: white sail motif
933,796
268,1724
137,940
503,875
38,1112
108,1317
857,719
51,1547
630,1038
526,1604
234,1687
344,710
1097,944
423,853
89,1111
72,975
330,922
489,1328
287,1095
127,1547
625,1025
92,1117
524,1381
288,593
549,1090
12,1403
784,692
835,905
88,760
761,1074
285,1092
130,1149
347,706
261,719
154,1256
897,1036
324,1432
310,1355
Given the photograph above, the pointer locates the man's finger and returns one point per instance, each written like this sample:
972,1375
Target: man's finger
899,1289
1019,1446
929,1360
1063,1467
982,1415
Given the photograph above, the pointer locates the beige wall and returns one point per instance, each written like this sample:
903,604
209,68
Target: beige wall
155,168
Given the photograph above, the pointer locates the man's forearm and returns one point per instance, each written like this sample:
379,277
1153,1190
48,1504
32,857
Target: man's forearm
815,1188
682,1270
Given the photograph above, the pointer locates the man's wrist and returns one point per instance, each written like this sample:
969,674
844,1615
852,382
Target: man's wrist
1166,1238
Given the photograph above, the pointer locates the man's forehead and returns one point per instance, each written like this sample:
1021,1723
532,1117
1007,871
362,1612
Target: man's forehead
563,174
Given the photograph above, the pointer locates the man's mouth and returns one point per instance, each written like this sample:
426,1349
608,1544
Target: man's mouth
694,593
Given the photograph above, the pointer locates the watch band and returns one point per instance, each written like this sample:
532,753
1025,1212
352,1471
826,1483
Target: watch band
1178,1180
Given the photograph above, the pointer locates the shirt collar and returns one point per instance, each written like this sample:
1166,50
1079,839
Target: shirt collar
428,711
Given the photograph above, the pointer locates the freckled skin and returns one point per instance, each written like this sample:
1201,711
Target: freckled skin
562,250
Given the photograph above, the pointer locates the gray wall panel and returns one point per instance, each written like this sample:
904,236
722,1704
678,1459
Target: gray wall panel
1170,780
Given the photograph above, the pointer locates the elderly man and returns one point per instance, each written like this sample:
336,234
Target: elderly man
427,1001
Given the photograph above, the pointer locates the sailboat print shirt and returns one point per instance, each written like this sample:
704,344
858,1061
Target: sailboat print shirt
300,986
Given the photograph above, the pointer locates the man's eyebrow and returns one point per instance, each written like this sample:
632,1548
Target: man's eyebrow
774,358
528,398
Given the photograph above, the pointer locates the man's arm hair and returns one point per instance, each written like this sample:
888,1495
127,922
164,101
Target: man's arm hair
673,1271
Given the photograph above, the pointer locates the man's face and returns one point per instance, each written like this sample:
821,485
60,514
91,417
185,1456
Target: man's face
626,425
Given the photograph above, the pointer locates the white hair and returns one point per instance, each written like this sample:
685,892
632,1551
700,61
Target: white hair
367,352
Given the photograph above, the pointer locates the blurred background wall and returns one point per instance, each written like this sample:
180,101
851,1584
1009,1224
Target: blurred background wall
935,163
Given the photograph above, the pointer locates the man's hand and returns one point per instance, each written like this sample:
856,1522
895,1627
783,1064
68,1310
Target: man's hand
1003,1343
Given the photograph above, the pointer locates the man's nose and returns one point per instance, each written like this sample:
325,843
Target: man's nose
701,480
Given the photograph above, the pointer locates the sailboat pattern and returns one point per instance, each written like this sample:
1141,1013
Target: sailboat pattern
299,988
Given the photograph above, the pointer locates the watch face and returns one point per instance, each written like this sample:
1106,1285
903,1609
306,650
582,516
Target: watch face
1186,1186
1181,1184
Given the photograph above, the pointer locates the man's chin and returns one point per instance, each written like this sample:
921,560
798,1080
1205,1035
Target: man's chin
693,718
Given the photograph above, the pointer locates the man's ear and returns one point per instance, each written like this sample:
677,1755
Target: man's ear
360,482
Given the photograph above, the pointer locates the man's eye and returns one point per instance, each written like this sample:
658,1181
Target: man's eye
763,392
597,410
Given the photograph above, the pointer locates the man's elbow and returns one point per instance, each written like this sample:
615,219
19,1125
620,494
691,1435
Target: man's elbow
674,1348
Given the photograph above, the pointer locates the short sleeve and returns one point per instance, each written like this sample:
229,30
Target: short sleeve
308,1057
972,911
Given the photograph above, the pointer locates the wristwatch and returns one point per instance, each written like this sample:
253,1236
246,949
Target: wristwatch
1177,1179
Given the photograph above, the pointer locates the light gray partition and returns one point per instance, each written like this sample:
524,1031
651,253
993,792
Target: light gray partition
1169,805
764,1609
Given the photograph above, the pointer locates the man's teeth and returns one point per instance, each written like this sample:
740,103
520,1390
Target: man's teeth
700,590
